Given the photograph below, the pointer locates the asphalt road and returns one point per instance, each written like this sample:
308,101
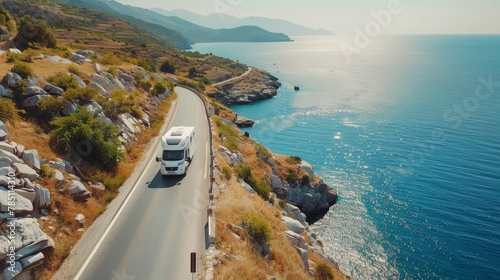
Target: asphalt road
163,219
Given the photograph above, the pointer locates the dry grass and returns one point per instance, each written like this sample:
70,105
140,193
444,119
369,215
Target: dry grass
27,134
244,262
46,68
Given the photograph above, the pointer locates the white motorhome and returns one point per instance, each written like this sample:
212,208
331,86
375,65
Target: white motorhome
178,146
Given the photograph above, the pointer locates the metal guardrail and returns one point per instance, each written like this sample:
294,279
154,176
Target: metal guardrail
211,226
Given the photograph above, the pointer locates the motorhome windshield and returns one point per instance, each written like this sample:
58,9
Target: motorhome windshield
173,155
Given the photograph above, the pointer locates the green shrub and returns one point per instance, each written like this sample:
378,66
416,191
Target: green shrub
192,71
110,59
261,187
244,171
113,183
12,57
293,160
62,51
8,111
94,140
305,180
264,151
81,95
27,55
227,171
282,203
23,69
258,227
231,135
74,69
271,199
148,64
159,87
7,20
292,178
63,81
170,85
167,67
205,81
46,171
113,70
49,107
200,86
324,272
122,102
145,84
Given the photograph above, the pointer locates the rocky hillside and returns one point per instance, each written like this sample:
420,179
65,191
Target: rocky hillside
23,245
52,201
260,208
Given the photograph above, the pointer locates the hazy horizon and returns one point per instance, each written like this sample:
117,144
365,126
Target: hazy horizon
341,17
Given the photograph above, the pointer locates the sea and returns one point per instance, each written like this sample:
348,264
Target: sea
406,128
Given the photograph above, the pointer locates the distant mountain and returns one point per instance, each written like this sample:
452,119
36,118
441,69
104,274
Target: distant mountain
163,32
192,32
226,21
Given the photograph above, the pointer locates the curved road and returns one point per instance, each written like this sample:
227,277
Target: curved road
163,219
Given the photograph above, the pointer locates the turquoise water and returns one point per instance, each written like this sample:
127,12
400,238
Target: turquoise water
407,135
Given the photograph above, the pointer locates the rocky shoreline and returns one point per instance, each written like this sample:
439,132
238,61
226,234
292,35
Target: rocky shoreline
257,85
299,201
306,196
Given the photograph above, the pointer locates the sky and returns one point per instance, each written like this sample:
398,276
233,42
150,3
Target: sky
346,16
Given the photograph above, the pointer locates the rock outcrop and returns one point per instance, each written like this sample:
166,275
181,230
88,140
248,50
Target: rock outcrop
258,85
311,199
23,244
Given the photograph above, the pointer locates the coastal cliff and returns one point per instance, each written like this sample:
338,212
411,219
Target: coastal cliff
280,193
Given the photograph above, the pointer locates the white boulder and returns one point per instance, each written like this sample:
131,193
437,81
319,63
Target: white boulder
293,225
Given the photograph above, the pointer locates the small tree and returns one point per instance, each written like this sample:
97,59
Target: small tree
7,20
192,71
34,33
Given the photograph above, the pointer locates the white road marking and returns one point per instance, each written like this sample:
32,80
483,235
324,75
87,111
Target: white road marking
89,258
111,225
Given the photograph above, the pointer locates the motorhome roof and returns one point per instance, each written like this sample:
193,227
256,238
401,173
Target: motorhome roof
179,132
